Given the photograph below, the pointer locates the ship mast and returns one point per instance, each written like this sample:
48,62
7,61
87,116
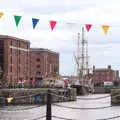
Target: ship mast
82,57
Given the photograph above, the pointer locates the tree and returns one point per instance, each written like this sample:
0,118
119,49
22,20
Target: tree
3,82
0,77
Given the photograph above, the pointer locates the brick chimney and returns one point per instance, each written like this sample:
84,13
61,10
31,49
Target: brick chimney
109,66
93,68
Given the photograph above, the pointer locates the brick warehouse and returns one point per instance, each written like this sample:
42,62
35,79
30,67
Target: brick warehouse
19,63
44,63
105,74
14,59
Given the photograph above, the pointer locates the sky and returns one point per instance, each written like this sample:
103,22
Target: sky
102,49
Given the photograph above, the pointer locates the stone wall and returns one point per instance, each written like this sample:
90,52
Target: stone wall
36,96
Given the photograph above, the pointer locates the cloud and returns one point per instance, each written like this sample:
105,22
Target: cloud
46,6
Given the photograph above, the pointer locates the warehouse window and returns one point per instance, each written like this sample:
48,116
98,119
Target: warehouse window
38,66
11,50
11,60
38,73
27,46
11,42
11,69
38,59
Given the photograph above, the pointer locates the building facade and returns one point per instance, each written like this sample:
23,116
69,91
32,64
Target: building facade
14,59
105,75
43,63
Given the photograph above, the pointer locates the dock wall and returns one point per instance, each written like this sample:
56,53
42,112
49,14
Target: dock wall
36,96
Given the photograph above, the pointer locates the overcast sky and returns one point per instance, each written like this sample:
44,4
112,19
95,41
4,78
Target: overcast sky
103,49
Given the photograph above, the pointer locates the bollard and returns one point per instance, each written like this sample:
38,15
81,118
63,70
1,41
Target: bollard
48,112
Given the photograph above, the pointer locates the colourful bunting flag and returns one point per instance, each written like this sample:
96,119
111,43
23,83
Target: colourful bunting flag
34,22
1,14
52,24
105,28
88,27
71,26
9,100
17,19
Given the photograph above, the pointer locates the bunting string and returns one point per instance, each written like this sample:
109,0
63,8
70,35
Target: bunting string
53,23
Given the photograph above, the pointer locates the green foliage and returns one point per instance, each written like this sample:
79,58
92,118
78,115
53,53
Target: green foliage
3,81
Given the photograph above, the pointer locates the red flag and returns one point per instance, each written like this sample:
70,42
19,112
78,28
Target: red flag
88,27
33,80
66,81
52,24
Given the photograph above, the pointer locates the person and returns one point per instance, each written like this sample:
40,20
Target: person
33,81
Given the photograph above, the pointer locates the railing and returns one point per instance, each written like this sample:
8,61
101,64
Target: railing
50,103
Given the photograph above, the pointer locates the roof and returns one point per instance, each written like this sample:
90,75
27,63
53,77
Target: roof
15,38
102,69
43,50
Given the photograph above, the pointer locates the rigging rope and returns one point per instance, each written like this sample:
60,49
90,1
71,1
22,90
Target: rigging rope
82,108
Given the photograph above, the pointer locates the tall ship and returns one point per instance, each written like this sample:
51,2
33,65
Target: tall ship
83,81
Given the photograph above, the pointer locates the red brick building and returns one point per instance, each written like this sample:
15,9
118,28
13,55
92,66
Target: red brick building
43,63
14,59
105,74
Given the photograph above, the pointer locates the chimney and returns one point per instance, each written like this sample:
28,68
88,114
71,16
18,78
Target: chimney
109,66
93,68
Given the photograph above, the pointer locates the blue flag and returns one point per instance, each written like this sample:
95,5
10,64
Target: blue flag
37,98
34,22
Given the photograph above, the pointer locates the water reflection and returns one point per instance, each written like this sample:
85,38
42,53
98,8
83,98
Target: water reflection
34,112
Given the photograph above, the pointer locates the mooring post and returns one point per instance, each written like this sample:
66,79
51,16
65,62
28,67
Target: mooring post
48,111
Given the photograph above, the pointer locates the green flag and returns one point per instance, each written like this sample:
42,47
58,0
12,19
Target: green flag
17,19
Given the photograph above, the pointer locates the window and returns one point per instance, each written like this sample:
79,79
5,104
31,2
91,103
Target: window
37,59
19,69
11,60
19,60
10,68
27,54
38,73
11,50
27,61
11,42
55,69
38,66
27,46
19,44
19,52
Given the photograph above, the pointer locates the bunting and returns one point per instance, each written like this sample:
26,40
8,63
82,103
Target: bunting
52,24
70,26
34,22
9,99
17,19
105,28
1,14
88,27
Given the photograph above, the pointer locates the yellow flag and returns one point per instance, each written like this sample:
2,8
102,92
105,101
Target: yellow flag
1,14
105,28
9,100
